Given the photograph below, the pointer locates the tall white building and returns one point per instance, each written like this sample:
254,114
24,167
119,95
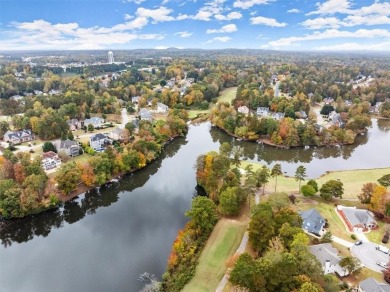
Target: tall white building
110,57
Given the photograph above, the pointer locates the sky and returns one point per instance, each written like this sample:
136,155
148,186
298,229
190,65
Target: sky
288,25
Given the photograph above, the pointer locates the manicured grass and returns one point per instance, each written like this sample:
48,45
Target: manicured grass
376,235
222,244
364,274
227,95
194,113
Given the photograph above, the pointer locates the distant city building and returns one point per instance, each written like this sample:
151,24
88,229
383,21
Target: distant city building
110,57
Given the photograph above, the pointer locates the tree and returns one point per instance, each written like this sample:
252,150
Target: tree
264,176
244,273
90,128
4,127
278,200
326,109
331,283
230,200
314,184
350,264
68,177
366,194
275,172
308,190
327,237
48,146
261,227
300,174
378,199
203,214
385,180
330,189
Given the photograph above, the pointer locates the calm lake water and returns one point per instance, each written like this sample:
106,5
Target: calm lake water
104,241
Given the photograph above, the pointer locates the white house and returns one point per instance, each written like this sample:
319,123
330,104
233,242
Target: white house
162,108
326,254
243,109
18,136
75,124
50,160
357,219
145,114
262,111
96,122
117,134
69,147
99,142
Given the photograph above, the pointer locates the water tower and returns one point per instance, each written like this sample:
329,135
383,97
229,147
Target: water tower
110,57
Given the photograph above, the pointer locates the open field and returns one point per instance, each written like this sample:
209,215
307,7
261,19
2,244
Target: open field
352,180
222,244
227,95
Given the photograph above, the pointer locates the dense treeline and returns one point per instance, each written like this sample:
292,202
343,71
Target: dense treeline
225,197
285,263
25,187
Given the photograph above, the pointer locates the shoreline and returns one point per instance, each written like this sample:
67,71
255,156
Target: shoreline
82,189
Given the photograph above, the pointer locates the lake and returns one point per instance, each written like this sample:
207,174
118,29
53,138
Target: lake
103,240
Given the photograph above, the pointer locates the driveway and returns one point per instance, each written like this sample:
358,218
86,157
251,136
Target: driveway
368,255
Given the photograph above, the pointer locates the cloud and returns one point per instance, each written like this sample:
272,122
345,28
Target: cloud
267,21
321,22
294,10
223,39
230,16
383,46
183,34
127,16
211,8
245,4
134,1
224,29
40,34
329,34
332,7
160,14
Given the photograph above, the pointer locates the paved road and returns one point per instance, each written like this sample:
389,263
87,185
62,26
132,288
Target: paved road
368,255
343,242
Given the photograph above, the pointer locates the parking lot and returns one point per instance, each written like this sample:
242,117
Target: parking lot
368,255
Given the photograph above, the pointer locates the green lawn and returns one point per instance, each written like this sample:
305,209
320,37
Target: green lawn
327,210
227,95
194,113
222,244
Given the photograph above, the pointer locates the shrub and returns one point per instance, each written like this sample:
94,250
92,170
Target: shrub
385,238
314,184
353,236
308,190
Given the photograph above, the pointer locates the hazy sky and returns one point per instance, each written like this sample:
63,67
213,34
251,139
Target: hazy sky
257,24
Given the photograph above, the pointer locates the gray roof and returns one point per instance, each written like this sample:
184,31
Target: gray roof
117,131
312,221
17,134
98,137
66,144
325,252
93,120
358,216
371,285
145,114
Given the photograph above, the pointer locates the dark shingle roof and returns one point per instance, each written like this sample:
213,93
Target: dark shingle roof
312,220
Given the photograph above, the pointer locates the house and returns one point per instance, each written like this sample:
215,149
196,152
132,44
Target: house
54,92
38,92
277,116
99,142
303,114
243,109
96,122
371,285
357,219
18,136
326,254
69,147
162,108
50,160
117,134
262,111
16,97
145,115
313,222
75,124
135,99
328,100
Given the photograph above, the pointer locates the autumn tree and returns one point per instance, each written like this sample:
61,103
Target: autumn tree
261,227
366,193
230,200
48,146
68,177
350,264
378,198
